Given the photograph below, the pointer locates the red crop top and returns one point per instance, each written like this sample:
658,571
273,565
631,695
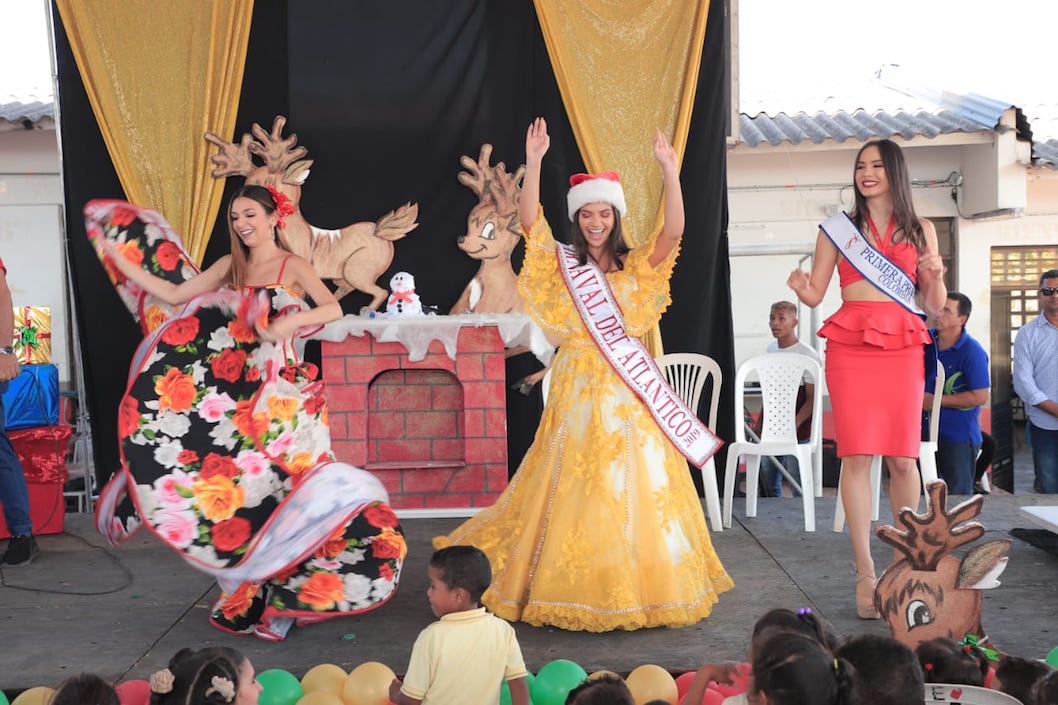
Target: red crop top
902,254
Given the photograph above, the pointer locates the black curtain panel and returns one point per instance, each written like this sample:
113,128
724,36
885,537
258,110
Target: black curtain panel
386,98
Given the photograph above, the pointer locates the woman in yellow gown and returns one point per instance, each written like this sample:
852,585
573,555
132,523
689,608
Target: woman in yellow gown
601,527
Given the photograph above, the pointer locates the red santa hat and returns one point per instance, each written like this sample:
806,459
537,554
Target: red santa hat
595,188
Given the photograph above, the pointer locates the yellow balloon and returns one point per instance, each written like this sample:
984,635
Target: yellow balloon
368,684
649,682
320,697
600,674
326,678
34,696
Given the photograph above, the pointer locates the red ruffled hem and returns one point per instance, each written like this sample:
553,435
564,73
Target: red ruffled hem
881,324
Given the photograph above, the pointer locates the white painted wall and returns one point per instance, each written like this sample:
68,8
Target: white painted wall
31,231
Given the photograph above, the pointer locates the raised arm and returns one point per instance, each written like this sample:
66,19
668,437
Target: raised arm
931,272
209,280
811,288
672,228
326,307
537,143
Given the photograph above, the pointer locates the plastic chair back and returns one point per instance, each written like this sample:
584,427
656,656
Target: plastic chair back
687,373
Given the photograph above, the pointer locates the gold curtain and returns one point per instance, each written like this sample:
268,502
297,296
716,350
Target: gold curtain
159,76
625,67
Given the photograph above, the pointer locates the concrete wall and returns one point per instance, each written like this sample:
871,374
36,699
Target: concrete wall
31,231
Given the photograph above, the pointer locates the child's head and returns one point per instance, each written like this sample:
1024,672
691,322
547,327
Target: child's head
459,575
603,690
1016,676
791,668
802,621
945,660
887,671
215,675
85,689
1045,690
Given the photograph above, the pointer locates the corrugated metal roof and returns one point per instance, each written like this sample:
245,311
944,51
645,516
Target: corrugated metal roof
1046,153
860,126
26,112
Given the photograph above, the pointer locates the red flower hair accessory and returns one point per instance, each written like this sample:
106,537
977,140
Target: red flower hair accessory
283,205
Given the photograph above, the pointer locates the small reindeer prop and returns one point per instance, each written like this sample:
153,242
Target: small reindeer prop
492,234
354,256
929,593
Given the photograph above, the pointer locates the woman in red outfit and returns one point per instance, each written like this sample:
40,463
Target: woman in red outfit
874,355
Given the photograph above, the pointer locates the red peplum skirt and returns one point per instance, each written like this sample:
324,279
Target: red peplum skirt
875,376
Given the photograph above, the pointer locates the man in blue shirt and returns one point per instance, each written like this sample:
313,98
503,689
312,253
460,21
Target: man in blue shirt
965,390
1036,382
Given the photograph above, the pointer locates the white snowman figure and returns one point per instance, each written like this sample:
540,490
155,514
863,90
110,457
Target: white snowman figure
403,301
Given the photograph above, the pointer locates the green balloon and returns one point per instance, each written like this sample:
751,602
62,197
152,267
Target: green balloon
554,681
1052,658
3,698
278,687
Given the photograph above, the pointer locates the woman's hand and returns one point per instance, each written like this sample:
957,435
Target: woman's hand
537,141
931,266
799,281
664,152
281,328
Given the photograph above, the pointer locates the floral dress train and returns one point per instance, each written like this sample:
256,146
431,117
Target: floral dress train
225,451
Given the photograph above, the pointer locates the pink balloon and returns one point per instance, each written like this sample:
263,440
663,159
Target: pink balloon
136,692
683,683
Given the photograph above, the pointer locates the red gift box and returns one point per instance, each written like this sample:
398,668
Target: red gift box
42,452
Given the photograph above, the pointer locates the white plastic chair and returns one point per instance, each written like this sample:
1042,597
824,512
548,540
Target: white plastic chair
780,378
927,460
687,373
951,693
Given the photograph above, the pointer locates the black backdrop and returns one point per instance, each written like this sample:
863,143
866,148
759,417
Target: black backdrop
387,97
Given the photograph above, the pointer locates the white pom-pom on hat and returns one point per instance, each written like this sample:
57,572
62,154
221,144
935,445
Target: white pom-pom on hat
595,188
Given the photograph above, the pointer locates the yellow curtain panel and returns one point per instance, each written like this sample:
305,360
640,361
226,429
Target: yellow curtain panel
158,78
625,67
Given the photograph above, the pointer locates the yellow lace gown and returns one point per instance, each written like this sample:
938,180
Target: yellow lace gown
601,527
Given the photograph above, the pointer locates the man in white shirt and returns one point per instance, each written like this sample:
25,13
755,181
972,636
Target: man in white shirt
1036,382
783,323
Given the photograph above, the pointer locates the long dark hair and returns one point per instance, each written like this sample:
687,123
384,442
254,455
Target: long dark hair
192,673
944,660
907,223
240,253
796,669
615,245
85,689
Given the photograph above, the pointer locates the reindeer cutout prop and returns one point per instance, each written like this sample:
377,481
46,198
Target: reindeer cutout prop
492,234
355,256
930,593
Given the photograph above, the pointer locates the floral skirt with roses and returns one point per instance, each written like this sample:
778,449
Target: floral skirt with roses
226,454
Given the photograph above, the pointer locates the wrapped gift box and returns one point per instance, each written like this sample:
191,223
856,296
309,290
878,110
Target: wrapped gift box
32,335
32,398
42,452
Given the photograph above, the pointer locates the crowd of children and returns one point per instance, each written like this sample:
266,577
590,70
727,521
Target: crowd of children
795,658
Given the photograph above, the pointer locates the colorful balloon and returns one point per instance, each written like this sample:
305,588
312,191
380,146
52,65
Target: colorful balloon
683,683
650,682
137,692
1052,657
34,696
326,678
368,684
278,687
554,681
320,697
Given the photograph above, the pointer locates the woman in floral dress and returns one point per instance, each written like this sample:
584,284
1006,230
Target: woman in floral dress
601,527
223,429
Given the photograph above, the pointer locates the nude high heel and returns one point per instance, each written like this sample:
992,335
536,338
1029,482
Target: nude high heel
865,582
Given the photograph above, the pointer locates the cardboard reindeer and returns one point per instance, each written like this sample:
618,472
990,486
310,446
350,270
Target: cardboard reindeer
354,256
492,234
930,593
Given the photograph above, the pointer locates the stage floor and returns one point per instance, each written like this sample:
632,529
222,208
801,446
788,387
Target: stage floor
122,613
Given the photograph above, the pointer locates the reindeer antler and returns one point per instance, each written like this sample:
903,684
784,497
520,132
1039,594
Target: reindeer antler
476,176
277,153
929,537
234,159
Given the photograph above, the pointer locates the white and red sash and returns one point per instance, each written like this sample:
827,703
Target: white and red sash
630,360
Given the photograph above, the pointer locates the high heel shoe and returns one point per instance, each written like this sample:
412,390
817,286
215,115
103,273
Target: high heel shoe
865,582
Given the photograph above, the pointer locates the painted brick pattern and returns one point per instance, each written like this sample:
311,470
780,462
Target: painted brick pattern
435,430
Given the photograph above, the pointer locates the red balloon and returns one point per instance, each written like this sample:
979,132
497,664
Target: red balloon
136,692
683,683
712,697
